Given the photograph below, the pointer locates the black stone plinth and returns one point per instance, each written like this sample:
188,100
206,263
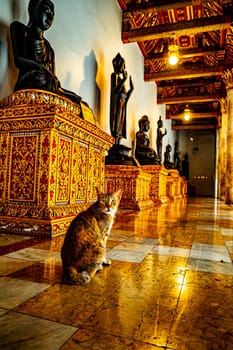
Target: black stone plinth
119,155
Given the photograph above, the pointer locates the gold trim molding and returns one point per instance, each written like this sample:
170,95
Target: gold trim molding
18,112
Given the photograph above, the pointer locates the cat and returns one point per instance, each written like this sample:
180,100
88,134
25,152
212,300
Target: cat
84,249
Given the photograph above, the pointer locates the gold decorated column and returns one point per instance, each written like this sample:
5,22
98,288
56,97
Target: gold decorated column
228,80
221,150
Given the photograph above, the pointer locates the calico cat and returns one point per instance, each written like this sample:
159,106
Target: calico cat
84,249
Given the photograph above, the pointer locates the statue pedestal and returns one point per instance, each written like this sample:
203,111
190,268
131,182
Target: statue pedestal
174,184
159,174
51,160
184,186
119,155
134,182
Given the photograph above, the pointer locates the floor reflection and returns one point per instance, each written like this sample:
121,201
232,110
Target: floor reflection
170,285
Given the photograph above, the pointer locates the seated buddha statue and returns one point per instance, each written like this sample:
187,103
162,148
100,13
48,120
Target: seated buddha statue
167,158
33,54
143,152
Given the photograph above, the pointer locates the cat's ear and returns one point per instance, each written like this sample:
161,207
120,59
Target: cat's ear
98,191
118,193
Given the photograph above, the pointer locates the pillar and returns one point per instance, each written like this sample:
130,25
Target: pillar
228,80
221,150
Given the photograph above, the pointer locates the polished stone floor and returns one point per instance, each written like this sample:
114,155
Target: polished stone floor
170,285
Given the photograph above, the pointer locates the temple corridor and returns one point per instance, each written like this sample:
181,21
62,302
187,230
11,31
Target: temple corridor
170,285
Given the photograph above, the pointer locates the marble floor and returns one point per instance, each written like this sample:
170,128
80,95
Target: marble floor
170,285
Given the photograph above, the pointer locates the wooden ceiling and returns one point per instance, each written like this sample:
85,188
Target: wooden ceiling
202,31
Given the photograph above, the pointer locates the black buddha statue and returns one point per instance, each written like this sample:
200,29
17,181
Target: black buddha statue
177,156
160,135
33,54
185,166
167,158
119,98
143,152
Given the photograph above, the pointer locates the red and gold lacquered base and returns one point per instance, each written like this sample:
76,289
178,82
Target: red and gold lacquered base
158,183
134,182
51,160
176,185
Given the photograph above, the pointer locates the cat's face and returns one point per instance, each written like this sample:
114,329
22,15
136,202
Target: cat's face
109,202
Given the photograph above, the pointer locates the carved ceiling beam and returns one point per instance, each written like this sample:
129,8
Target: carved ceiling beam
187,83
193,127
191,27
185,73
187,53
194,115
162,5
189,99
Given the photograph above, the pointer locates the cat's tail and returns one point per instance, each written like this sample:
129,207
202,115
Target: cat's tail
72,276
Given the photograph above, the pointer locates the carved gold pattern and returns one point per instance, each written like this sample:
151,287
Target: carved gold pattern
4,142
51,161
17,112
184,187
171,188
134,183
53,168
63,170
158,183
31,102
95,170
144,186
23,163
227,78
43,195
174,188
82,173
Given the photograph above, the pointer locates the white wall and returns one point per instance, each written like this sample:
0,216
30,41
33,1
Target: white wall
86,36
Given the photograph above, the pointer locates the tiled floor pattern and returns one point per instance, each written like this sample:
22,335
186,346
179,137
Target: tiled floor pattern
170,285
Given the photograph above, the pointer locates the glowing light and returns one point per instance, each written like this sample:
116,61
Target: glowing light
187,112
186,116
173,55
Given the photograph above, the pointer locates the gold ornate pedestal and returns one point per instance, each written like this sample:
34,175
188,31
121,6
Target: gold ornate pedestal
174,184
159,174
51,160
184,187
133,181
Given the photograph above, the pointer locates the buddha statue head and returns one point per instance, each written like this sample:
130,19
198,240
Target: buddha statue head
41,13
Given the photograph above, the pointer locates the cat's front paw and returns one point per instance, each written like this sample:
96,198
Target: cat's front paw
107,262
86,278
